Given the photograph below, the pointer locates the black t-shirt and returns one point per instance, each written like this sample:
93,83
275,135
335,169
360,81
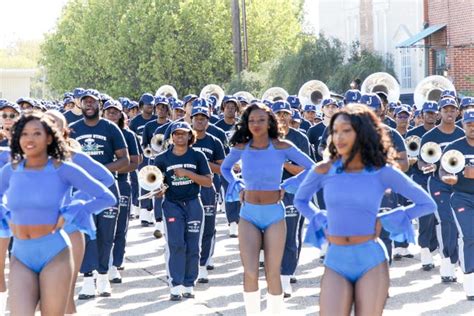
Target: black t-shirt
132,147
315,134
227,128
138,123
182,188
99,141
71,117
463,185
442,139
300,141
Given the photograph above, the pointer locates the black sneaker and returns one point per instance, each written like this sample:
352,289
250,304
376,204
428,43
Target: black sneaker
188,295
470,298
261,264
210,267
203,281
175,297
428,267
321,259
397,257
121,268
158,234
116,280
85,297
293,280
286,295
409,255
448,279
145,224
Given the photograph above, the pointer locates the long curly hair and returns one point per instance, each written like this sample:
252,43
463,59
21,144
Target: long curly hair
372,139
57,149
242,133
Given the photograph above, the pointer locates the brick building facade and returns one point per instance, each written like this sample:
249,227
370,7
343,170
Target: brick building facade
451,49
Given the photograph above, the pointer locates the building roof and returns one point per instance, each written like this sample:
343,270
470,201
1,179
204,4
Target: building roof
421,35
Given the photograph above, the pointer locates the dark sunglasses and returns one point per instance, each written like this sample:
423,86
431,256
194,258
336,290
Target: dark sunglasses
10,116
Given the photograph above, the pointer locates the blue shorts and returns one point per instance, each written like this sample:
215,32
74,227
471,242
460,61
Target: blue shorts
353,261
70,228
262,215
36,253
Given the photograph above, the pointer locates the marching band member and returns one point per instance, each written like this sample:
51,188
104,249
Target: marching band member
163,112
462,200
427,224
147,106
467,103
256,142
443,134
41,265
293,219
103,141
213,149
185,170
309,113
9,113
113,111
356,271
402,117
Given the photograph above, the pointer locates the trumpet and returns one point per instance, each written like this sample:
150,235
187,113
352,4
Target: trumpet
430,152
150,179
453,161
413,145
158,144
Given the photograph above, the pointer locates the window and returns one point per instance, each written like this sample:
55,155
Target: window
405,70
440,61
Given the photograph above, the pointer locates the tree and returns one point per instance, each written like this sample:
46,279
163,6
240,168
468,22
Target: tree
127,47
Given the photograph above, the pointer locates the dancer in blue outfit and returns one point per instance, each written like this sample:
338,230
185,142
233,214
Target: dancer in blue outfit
41,265
361,169
256,142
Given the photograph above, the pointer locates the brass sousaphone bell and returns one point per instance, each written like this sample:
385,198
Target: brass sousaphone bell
382,82
430,89
158,144
275,94
214,90
167,91
313,92
453,161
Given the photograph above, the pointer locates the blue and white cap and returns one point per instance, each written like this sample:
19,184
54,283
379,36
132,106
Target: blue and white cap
112,104
430,106
448,94
78,92
468,116
309,108
352,96
181,126
91,93
8,104
200,103
404,108
294,101
68,100
448,102
159,99
296,116
329,101
147,99
178,104
280,106
200,110
467,101
372,100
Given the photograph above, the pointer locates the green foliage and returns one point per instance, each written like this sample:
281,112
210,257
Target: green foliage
127,47
22,54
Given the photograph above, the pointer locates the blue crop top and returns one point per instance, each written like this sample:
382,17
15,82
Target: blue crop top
353,199
35,197
262,169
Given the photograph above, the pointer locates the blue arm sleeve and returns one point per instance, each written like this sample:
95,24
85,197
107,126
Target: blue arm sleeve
398,221
228,163
94,168
101,197
317,218
5,174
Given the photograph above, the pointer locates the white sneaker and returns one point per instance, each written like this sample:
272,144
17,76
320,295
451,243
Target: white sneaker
286,286
103,285
88,289
203,275
144,217
188,292
114,275
3,303
233,230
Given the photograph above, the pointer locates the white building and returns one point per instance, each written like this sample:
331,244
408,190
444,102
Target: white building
378,25
15,83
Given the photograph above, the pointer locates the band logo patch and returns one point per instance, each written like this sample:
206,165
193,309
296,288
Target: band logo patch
171,220
437,193
461,209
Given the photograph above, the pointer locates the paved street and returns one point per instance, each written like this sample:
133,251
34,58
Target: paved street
144,289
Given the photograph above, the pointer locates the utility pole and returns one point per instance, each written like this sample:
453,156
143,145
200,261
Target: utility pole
236,38
244,31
